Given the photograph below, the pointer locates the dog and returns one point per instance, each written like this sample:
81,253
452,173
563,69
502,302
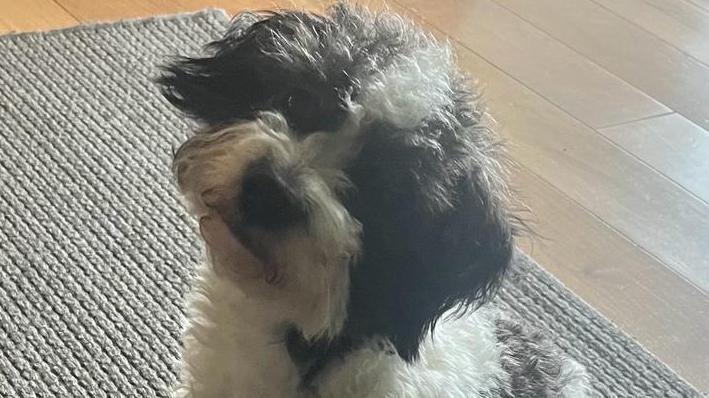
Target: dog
354,205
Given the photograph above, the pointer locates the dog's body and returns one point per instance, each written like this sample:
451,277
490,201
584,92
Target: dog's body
480,355
352,198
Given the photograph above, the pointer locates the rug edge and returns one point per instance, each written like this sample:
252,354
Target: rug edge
214,12
591,310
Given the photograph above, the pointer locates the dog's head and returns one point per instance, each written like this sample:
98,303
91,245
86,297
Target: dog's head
344,172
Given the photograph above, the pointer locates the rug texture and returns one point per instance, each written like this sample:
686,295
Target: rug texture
96,251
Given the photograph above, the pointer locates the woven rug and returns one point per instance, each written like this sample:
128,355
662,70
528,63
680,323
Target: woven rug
96,252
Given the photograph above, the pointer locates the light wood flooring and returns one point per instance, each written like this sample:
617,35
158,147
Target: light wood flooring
605,105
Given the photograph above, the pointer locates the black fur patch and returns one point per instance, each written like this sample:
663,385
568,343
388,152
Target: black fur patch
269,200
421,257
246,72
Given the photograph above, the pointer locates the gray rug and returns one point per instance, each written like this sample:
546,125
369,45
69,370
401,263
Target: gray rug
96,252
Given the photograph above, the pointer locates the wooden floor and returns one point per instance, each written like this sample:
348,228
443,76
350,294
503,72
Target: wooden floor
605,105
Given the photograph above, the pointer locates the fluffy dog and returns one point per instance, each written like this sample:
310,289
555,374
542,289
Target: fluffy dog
352,199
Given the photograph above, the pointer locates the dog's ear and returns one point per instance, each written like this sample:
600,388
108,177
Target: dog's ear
225,84
269,61
470,249
436,237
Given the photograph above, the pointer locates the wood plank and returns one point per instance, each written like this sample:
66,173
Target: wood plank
682,24
18,16
233,6
598,263
671,144
546,66
704,4
626,50
663,312
91,10
645,206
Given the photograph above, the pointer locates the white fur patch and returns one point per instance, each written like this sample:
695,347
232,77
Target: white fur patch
575,374
412,87
461,361
230,348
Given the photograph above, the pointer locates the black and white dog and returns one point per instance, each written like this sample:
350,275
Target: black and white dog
352,198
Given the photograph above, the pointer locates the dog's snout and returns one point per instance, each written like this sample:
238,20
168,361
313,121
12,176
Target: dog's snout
269,200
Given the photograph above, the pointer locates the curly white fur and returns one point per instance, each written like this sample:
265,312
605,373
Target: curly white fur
462,360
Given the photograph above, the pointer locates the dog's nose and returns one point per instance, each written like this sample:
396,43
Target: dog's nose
268,200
